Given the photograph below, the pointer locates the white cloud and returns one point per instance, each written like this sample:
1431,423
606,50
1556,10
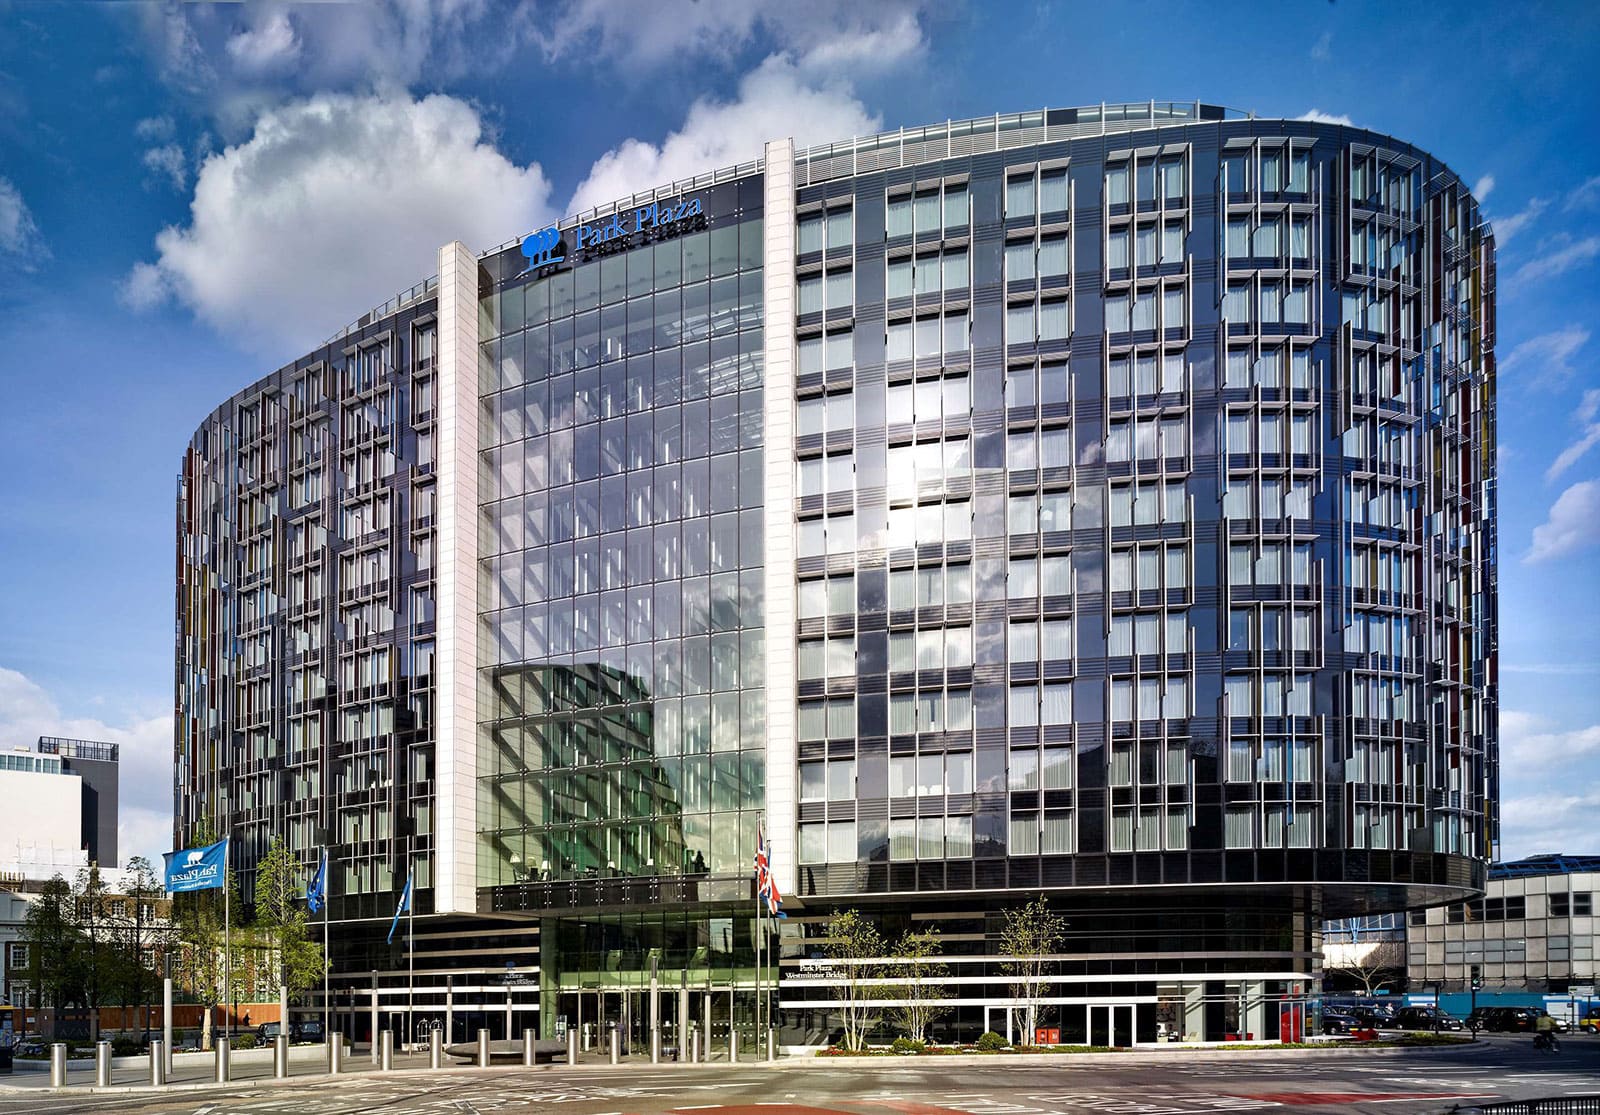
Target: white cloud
1546,360
1551,669
774,100
332,204
1531,740
1562,256
1507,227
1550,785
1483,188
144,287
19,235
823,35
1573,453
269,45
154,129
144,822
1586,416
1317,116
1550,820
1585,196
168,162
1322,49
1573,523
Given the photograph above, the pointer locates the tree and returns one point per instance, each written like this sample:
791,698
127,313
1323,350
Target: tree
858,948
923,990
1031,936
140,937
1368,966
91,904
55,946
280,915
202,967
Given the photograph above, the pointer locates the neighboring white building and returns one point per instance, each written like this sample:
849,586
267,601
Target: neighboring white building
1535,930
41,817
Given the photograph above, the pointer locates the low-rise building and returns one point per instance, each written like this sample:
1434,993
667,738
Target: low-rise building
1534,931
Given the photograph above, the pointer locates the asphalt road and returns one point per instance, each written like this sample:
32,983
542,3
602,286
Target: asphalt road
1404,1082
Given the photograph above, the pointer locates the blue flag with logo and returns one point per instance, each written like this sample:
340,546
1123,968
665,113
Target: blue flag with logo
317,892
191,869
405,904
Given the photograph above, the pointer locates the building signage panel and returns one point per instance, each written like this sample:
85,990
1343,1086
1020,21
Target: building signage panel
550,248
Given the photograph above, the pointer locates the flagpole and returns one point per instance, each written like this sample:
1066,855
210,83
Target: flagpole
756,933
411,950
327,957
227,938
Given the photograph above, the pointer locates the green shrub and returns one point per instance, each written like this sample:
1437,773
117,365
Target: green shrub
244,1041
990,1041
908,1045
125,1047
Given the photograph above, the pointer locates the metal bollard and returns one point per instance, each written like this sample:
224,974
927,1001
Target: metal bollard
572,1046
224,1067
435,1049
280,1057
772,1043
694,1044
616,1047
158,1063
336,1054
733,1046
386,1051
655,1047
528,1057
102,1064
483,1049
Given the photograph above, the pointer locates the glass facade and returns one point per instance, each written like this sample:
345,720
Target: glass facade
1131,543
621,697
1125,501
305,615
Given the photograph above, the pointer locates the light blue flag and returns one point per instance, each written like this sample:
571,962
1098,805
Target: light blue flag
190,869
405,904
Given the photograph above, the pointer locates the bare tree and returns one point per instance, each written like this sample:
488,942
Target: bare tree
1031,936
1371,965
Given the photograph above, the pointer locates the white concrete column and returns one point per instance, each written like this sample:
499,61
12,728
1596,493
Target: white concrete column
779,366
456,586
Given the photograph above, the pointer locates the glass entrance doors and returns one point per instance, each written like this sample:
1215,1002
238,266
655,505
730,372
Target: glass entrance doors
1111,1024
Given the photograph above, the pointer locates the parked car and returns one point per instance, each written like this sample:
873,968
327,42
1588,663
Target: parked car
1338,1022
299,1032
1505,1020
1425,1018
1590,1022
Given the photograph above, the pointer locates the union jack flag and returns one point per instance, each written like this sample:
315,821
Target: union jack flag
766,884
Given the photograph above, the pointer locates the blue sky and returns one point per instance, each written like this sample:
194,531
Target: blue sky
193,194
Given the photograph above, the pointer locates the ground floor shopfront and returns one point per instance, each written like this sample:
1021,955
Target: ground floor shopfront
1128,969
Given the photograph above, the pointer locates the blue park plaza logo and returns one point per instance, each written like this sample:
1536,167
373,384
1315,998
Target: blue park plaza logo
623,229
543,248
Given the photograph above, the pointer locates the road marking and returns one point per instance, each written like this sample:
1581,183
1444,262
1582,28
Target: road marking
1307,1099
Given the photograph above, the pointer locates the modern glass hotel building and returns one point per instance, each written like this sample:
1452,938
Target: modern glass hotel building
1093,502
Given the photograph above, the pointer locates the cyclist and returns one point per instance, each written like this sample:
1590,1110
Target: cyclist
1544,1036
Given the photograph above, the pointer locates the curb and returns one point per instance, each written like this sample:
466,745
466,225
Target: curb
803,1063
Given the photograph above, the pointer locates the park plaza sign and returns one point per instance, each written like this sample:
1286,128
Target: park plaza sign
548,248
